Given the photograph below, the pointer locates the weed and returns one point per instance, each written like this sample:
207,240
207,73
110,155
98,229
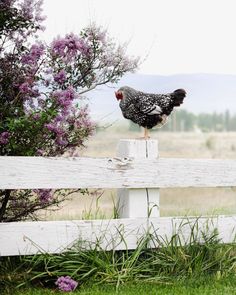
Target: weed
210,143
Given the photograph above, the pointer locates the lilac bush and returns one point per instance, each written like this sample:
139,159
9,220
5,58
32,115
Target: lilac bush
42,87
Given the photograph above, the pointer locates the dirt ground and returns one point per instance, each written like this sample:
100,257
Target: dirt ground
187,201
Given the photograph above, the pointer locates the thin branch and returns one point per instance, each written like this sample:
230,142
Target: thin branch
4,203
89,89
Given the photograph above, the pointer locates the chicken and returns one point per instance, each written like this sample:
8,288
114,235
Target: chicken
147,109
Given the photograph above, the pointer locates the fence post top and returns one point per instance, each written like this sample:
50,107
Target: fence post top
138,148
141,141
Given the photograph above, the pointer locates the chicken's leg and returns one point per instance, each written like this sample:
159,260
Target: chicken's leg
146,136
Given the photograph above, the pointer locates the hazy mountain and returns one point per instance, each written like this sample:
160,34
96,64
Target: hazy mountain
205,92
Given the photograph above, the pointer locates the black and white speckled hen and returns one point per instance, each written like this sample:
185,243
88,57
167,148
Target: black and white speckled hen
148,109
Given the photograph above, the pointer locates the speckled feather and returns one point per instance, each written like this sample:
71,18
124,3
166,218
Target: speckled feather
137,106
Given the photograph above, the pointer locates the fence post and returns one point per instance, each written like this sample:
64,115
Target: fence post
144,202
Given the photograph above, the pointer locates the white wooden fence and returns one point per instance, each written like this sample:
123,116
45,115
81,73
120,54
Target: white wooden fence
137,172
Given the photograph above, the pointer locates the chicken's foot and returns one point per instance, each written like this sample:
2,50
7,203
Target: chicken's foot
146,134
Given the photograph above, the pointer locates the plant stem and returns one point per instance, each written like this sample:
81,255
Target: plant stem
4,203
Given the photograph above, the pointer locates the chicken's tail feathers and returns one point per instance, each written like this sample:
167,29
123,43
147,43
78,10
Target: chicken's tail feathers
178,96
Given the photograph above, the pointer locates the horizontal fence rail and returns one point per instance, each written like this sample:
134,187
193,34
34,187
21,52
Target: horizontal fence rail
28,238
39,172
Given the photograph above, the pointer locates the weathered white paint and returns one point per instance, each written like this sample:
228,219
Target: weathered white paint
38,172
138,169
133,202
18,238
138,148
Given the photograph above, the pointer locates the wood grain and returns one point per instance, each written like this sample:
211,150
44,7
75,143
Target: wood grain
38,172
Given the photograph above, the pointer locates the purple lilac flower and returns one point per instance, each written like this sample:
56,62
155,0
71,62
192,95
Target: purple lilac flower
65,47
108,59
65,97
31,10
38,10
67,111
45,195
6,3
58,46
27,9
36,51
29,90
48,71
35,92
54,127
50,126
73,151
36,116
25,87
59,118
60,77
68,47
40,152
4,137
60,141
66,284
83,47
57,128
97,33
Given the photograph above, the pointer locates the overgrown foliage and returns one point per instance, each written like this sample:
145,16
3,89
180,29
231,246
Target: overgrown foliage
42,111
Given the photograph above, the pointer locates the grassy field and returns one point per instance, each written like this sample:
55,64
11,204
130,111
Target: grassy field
202,286
187,201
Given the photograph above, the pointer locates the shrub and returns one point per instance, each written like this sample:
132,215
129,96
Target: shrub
42,111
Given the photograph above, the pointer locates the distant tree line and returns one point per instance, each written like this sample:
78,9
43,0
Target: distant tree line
182,120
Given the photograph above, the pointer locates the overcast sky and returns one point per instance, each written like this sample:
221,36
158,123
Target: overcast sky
181,36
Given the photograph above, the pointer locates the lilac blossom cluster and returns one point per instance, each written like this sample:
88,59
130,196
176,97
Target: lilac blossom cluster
44,195
6,3
32,11
70,47
60,77
26,15
66,284
33,56
65,97
31,60
4,137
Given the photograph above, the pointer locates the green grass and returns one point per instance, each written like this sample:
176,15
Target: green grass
200,286
175,260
